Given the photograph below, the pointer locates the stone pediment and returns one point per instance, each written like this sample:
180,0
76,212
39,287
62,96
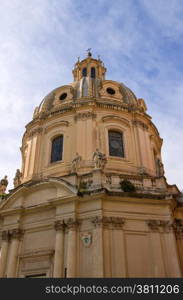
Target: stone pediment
39,193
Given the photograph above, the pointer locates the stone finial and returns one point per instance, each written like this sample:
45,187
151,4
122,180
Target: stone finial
3,184
17,179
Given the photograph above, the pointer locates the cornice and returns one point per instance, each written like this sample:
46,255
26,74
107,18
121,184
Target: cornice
116,118
39,252
165,226
55,125
108,222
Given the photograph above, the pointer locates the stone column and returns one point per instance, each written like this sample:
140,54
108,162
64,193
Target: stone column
170,250
59,250
108,233
169,247
138,151
178,226
117,247
98,251
71,248
13,256
158,267
4,252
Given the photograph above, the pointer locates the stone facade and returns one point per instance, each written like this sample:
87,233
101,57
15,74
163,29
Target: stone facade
91,214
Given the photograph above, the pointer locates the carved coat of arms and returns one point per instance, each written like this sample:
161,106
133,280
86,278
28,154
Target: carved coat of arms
86,239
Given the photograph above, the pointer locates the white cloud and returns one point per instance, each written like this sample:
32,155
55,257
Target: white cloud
167,15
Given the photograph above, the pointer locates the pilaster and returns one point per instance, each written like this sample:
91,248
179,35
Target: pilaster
4,252
59,249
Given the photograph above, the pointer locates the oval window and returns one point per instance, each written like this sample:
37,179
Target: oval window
63,96
110,91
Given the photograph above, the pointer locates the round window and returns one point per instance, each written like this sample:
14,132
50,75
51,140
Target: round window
63,96
110,91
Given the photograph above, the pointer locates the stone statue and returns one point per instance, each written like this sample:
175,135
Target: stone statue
75,163
17,179
99,159
159,167
3,184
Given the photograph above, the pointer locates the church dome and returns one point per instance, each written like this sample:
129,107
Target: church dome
88,114
89,84
127,95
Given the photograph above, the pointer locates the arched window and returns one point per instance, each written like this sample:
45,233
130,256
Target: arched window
92,72
57,149
116,147
84,72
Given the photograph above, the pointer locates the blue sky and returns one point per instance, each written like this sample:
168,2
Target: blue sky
140,42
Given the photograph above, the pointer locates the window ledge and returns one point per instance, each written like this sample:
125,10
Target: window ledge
117,158
54,163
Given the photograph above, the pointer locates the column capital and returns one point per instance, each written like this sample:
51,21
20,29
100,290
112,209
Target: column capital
16,233
178,227
72,223
165,226
108,222
59,225
5,235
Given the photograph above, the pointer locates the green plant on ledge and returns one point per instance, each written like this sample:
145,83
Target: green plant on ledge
127,186
83,186
3,196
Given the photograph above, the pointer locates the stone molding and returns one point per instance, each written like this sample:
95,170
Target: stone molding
85,115
71,223
178,227
108,222
16,233
160,226
117,118
5,235
140,123
59,225
56,125
37,253
109,105
35,131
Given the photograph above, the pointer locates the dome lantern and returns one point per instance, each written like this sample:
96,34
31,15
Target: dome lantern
89,67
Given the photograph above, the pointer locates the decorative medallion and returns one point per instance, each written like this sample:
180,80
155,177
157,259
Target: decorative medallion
86,239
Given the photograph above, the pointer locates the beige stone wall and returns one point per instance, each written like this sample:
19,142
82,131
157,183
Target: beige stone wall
83,132
126,236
